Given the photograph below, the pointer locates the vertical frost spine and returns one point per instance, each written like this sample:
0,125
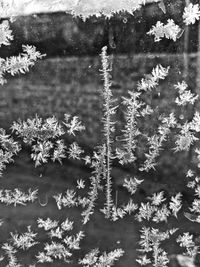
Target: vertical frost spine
108,129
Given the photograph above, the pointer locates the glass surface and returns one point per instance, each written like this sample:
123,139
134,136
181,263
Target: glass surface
121,91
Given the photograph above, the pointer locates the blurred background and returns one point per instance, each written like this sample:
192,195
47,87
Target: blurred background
68,81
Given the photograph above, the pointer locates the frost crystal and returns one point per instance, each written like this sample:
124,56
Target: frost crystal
191,14
185,96
17,197
106,259
5,33
25,240
169,31
132,184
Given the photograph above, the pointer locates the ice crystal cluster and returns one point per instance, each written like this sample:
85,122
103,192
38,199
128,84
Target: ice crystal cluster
171,30
15,64
82,8
46,140
87,8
